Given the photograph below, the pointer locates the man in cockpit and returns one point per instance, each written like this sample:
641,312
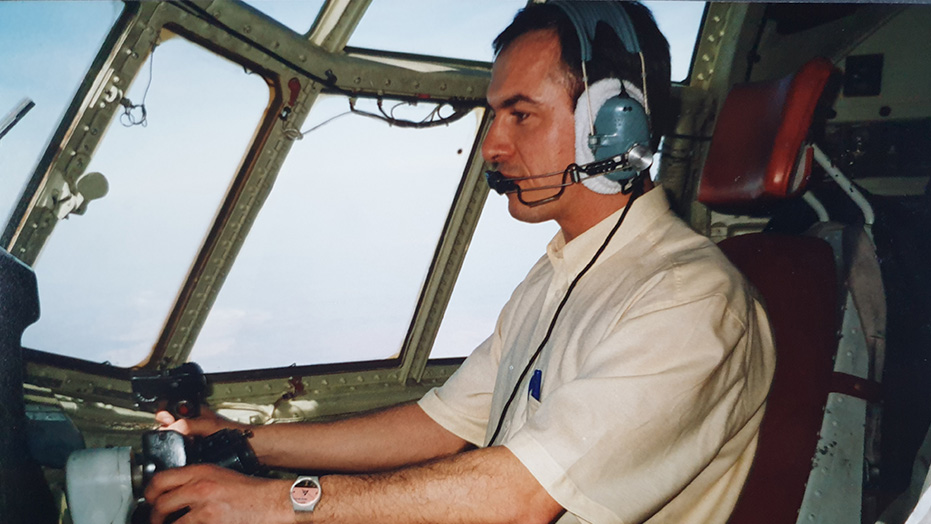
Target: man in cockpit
626,377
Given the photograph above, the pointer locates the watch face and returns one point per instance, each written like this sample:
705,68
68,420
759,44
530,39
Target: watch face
305,492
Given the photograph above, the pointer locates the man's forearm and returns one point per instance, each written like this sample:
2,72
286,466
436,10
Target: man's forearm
481,486
486,485
384,440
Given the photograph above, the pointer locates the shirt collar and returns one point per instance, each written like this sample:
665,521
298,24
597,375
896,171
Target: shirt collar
572,257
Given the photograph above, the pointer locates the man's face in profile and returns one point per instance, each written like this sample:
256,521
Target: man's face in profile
533,130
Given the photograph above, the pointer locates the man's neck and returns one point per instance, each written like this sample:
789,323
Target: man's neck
590,209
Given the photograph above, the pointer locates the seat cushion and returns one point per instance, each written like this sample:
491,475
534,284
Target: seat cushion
796,277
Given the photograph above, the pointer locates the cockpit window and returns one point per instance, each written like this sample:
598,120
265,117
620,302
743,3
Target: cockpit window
679,21
33,37
473,25
501,253
456,29
333,266
109,277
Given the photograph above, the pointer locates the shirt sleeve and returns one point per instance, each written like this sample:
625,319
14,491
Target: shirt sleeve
653,405
462,404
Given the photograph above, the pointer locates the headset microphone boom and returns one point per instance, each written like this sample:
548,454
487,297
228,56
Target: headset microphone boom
639,158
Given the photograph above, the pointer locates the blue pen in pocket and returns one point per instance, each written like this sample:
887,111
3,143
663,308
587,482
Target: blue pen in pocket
535,382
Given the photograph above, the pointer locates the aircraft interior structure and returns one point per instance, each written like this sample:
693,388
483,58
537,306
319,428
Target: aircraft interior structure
299,205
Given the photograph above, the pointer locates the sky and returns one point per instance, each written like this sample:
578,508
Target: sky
302,291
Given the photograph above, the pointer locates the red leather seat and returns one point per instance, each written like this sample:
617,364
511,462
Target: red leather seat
756,143
797,279
753,162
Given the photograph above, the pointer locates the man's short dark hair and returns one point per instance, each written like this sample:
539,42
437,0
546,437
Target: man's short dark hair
609,57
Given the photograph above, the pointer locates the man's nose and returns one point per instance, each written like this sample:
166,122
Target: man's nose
497,146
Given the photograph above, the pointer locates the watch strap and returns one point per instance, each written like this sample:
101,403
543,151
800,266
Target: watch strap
305,493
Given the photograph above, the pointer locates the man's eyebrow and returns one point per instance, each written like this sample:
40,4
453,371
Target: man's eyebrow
514,100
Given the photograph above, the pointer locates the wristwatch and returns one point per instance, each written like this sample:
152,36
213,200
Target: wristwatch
305,493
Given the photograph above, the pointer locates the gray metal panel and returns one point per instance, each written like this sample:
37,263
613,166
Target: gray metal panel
834,491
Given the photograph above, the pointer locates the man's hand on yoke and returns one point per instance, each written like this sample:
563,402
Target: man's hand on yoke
206,424
214,494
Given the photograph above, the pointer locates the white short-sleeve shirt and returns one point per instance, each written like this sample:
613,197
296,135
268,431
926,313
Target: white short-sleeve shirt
651,388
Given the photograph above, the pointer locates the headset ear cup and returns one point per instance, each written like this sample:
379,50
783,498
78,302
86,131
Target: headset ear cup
620,125
591,101
587,106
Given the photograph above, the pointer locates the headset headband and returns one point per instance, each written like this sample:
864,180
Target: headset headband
585,15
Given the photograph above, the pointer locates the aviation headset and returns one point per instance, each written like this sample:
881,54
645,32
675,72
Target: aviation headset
617,137
621,124
612,127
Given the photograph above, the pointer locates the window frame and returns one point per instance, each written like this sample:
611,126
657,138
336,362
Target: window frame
461,81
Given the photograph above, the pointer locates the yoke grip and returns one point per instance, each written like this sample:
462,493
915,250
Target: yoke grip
180,390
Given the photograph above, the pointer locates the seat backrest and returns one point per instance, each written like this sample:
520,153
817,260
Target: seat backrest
753,161
796,277
754,152
24,496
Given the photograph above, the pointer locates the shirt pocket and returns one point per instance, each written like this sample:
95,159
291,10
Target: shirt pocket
532,406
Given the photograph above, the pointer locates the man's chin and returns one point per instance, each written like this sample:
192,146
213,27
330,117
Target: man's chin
525,213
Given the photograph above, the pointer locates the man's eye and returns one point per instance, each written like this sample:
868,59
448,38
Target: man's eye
519,116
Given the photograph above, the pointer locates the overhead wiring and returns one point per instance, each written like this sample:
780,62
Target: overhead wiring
294,134
128,118
433,118
329,80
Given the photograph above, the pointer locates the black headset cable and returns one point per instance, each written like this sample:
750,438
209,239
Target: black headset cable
636,191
